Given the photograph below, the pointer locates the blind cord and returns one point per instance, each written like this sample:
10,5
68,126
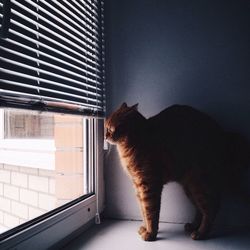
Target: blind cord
97,216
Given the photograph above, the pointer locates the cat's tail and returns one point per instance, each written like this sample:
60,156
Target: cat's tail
238,151
238,164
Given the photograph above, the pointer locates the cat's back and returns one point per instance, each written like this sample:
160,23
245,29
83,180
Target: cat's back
183,117
187,133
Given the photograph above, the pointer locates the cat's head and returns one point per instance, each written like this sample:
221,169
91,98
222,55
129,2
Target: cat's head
119,123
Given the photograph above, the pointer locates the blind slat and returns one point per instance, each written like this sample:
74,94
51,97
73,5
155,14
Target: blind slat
85,27
11,72
21,55
88,6
89,53
57,45
85,38
53,56
89,16
58,60
27,86
23,99
52,49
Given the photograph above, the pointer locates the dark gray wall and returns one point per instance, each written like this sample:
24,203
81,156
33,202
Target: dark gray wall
162,52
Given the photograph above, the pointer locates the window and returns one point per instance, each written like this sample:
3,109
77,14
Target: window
36,179
18,124
22,140
52,100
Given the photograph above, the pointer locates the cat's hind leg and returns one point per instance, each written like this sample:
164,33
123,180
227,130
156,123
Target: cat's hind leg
194,225
206,200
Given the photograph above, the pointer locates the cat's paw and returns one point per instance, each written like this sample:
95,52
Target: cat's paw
189,227
196,235
141,230
147,236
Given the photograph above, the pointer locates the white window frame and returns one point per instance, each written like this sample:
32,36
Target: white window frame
34,153
58,229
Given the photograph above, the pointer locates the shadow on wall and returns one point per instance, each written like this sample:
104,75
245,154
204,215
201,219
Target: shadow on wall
165,52
159,53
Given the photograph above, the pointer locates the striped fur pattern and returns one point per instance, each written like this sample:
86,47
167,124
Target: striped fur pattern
179,144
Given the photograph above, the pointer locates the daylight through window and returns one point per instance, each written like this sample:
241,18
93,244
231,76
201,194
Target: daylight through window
52,100
43,163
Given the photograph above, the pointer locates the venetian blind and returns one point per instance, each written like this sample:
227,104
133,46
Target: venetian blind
52,55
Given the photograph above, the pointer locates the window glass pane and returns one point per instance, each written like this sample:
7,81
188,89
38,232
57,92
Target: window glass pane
46,160
21,124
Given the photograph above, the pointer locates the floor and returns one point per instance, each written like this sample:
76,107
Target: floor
121,235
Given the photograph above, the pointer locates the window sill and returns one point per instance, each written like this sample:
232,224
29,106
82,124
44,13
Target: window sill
122,234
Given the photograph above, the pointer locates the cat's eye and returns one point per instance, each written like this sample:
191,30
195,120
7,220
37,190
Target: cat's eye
111,130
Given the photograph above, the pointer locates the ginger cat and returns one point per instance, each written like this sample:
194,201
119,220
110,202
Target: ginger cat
179,144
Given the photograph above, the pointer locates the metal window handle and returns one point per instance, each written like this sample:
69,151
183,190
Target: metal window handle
6,18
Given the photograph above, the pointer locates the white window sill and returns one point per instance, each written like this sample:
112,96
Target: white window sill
122,234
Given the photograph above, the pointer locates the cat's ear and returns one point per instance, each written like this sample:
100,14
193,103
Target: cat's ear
135,107
124,105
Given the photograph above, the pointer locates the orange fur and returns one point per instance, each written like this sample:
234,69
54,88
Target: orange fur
179,144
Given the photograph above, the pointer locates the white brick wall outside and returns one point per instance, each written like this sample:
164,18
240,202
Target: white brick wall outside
38,183
10,220
5,204
19,209
61,202
11,167
44,172
21,221
4,176
25,193
29,170
1,217
11,192
47,202
1,188
19,179
29,197
52,186
35,212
